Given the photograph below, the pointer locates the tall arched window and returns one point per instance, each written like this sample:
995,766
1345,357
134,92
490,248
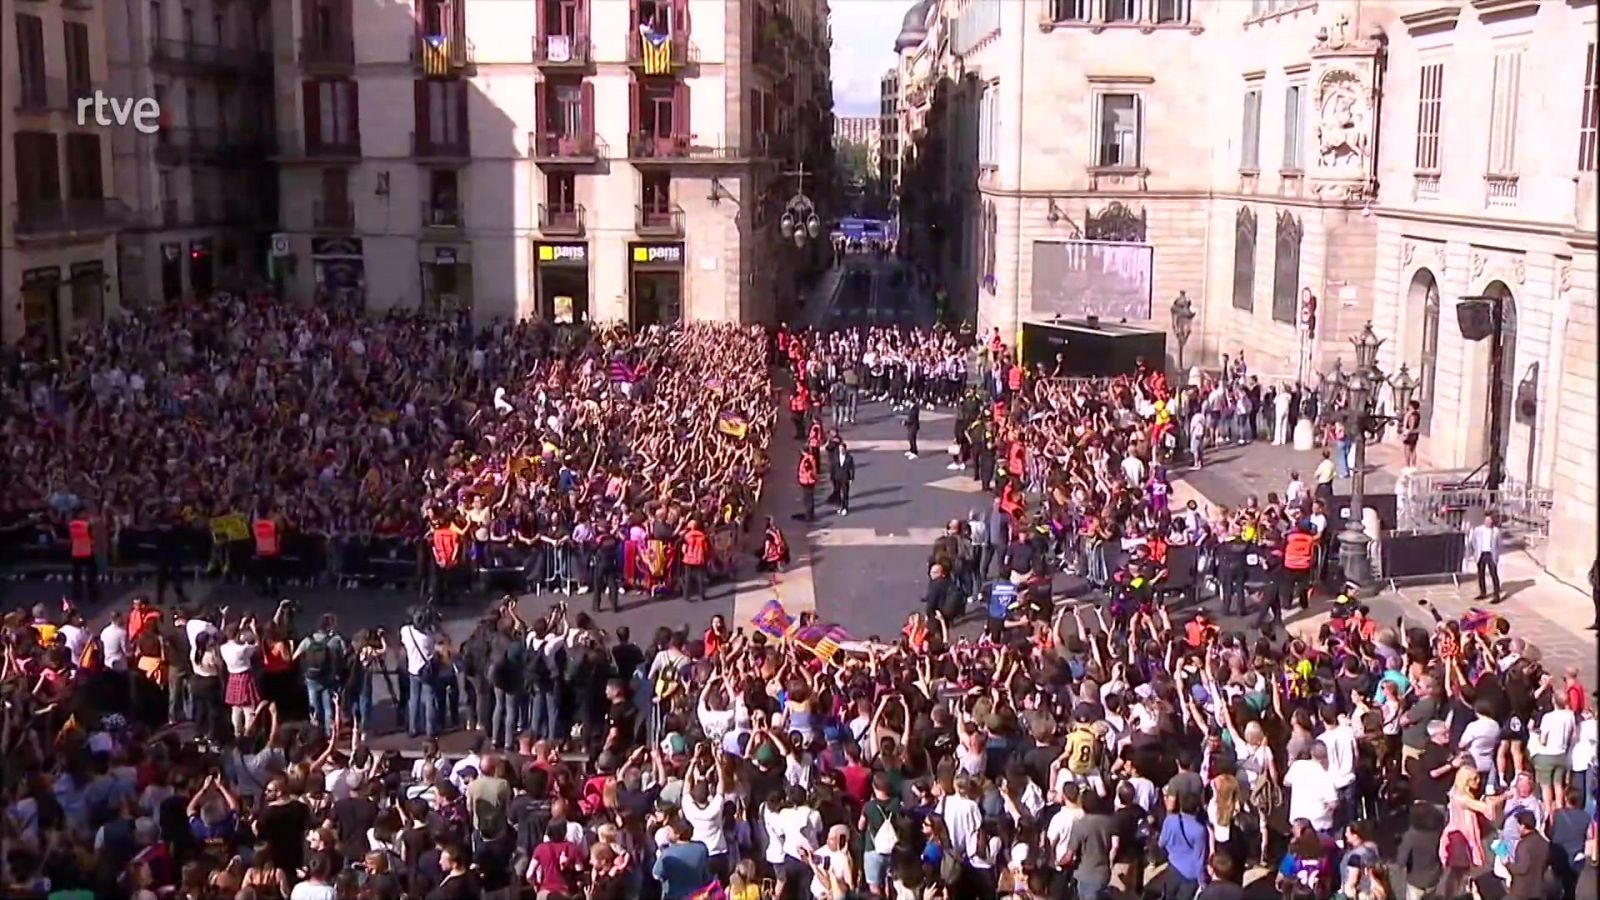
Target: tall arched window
1428,367
1286,269
1244,259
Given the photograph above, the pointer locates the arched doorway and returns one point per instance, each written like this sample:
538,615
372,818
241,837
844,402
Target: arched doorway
1423,297
1503,382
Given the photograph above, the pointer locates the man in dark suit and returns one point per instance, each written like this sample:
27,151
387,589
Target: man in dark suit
1529,860
913,423
841,471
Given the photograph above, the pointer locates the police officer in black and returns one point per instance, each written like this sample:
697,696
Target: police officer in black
983,454
169,554
606,568
1232,571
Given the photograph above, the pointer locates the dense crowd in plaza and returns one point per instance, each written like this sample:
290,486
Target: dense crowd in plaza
1120,747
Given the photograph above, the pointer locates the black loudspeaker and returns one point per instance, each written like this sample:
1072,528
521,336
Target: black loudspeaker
1476,318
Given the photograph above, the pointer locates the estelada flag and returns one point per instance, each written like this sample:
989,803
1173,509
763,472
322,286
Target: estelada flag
733,425
655,50
772,619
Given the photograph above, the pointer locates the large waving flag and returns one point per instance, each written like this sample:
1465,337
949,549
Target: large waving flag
733,425
773,620
822,639
655,51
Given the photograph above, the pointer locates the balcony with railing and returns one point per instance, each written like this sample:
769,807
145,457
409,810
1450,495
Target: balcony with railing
446,147
1500,191
442,55
192,57
562,219
667,54
52,219
296,146
441,216
38,94
658,220
333,215
644,147
581,148
327,54
562,51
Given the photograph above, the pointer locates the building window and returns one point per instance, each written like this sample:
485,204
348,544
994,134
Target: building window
1171,12
1120,140
1286,269
1429,365
1122,10
989,126
1250,146
1589,125
1069,10
1244,259
561,192
1503,113
84,174
1430,108
30,62
1294,113
75,38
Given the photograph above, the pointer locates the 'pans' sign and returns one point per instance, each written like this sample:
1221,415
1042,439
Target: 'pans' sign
658,254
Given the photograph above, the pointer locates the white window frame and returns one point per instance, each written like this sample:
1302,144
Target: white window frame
1430,116
1127,10
1071,10
1250,131
1294,127
1179,10
1589,115
1098,132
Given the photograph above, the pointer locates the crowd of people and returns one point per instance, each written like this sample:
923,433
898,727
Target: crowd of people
1117,744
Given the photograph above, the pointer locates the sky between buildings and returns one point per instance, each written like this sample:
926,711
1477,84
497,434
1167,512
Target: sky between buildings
863,49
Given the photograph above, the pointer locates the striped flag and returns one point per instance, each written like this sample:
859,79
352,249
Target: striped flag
436,55
772,619
733,425
822,639
622,373
655,51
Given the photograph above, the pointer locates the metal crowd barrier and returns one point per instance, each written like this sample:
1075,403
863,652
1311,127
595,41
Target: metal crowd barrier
1457,499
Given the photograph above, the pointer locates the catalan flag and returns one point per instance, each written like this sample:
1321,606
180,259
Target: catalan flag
733,425
772,619
436,55
655,51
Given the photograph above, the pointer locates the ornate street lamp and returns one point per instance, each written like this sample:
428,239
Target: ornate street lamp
1402,385
1182,325
1359,388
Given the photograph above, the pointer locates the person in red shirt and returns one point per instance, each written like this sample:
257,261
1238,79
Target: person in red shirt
696,554
554,865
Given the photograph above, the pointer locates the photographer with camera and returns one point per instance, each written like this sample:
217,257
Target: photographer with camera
324,661
419,639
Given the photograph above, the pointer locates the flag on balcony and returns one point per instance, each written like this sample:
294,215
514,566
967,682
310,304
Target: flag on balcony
655,51
436,55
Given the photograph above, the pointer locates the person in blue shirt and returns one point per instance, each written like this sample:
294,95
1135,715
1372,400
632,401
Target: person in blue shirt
999,598
683,866
1184,838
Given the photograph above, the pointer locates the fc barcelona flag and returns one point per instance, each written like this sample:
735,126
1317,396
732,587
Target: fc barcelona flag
773,620
733,425
436,55
823,640
655,51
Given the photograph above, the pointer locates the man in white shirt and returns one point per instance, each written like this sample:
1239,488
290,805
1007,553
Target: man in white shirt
1549,745
962,815
1058,833
1339,741
703,804
421,649
1483,547
1313,796
114,645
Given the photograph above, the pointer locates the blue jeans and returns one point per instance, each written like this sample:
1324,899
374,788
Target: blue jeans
360,702
424,707
1341,458
544,714
319,697
507,712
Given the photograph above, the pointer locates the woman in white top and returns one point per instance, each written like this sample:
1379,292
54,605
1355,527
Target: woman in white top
239,655
985,854
833,873
205,687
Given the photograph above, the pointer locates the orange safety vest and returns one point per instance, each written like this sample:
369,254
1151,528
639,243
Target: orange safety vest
82,539
1298,551
798,403
266,532
1014,378
694,547
814,436
445,544
808,471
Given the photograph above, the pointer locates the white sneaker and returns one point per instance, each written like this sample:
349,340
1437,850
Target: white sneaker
844,512
954,467
910,455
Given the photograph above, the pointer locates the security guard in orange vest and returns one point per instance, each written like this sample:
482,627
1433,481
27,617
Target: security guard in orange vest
265,532
799,405
807,477
696,555
85,574
445,540
1299,555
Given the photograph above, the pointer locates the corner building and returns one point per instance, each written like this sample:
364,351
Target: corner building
575,160
1297,169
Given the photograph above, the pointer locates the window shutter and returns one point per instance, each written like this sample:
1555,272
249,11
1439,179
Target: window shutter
541,9
583,25
633,21
312,92
1291,127
633,110
541,122
1138,130
352,122
463,126
420,105
680,110
586,124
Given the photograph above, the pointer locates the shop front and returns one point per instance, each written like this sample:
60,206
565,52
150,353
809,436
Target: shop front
561,280
202,267
41,306
88,288
338,269
446,277
655,284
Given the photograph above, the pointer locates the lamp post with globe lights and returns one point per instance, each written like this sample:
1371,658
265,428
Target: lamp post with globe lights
1182,325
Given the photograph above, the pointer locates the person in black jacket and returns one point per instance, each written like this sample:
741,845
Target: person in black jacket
842,472
913,423
507,659
1232,571
937,599
605,573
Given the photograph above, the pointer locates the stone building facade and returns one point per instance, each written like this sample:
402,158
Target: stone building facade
1299,169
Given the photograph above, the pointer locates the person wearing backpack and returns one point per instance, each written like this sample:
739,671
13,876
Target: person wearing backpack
323,661
880,825
543,670
507,661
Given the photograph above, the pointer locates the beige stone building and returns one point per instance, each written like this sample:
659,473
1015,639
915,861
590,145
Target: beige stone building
570,159
58,212
1298,169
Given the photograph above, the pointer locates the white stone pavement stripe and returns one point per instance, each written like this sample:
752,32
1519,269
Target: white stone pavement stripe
871,537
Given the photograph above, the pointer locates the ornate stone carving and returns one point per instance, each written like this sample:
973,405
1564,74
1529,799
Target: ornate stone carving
1344,191
1115,223
1408,251
1519,270
1344,117
1478,263
1564,276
